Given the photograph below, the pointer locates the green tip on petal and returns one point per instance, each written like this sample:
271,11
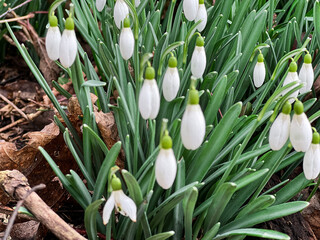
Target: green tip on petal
172,62
316,138
260,57
293,67
116,183
53,21
286,109
150,73
298,107
166,142
307,58
126,23
193,97
200,41
69,24
201,1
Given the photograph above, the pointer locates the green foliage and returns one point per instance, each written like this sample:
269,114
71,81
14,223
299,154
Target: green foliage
218,188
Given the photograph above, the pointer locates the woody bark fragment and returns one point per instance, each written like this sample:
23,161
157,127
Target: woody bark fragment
16,185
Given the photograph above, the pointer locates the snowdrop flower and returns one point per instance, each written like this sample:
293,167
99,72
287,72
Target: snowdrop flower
201,15
126,41
190,9
198,59
193,124
149,97
53,39
311,160
300,129
259,72
68,44
100,4
120,202
306,74
137,3
291,77
171,80
166,164
279,131
120,12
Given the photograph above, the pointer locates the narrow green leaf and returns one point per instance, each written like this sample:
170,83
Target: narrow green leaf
161,236
133,187
254,232
90,216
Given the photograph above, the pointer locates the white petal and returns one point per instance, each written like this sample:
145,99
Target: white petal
201,15
53,39
311,162
190,9
259,74
166,168
137,3
300,132
291,77
100,4
120,12
171,84
193,127
279,131
149,99
107,209
68,48
198,62
125,205
306,75
126,43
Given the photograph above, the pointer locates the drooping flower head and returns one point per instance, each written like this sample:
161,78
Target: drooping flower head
166,164
171,80
292,76
279,131
259,72
198,59
311,160
120,202
306,74
68,44
300,129
100,4
53,38
126,41
149,97
193,124
190,9
201,15
120,12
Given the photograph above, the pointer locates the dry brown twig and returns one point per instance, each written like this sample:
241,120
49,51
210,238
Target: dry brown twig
16,185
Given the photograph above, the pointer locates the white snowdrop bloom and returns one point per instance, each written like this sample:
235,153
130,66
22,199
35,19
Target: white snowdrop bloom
120,202
166,164
171,80
198,59
201,15
53,39
311,160
120,12
149,97
137,3
193,124
291,77
279,131
68,45
306,74
300,129
190,9
100,4
126,41
259,72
